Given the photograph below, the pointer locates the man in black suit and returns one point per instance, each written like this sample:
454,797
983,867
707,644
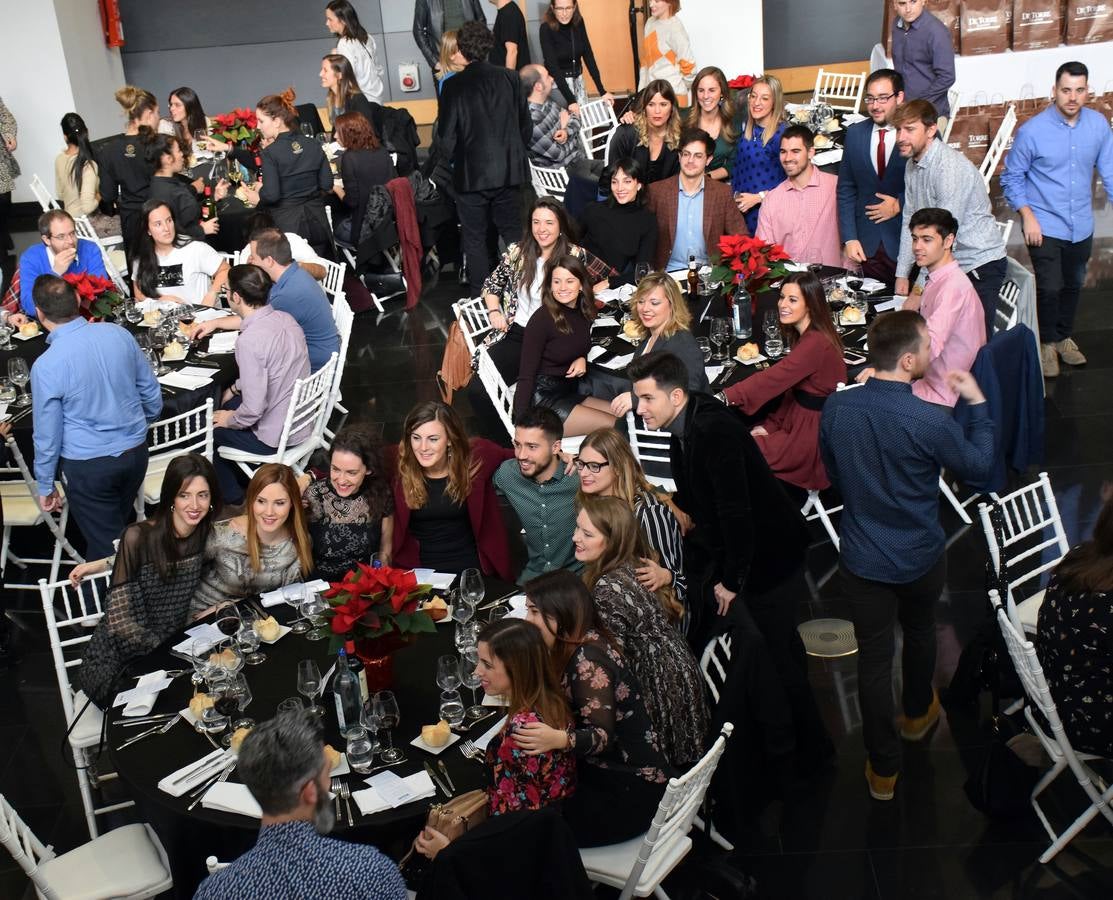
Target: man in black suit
484,128
871,181
748,531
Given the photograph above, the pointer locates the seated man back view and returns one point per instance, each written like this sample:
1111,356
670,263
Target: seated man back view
283,763
59,252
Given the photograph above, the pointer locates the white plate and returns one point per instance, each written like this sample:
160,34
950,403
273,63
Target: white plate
283,630
860,323
751,362
26,337
453,737
342,767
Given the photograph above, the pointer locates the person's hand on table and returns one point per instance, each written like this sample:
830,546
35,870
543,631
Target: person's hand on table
652,576
865,375
724,598
430,842
621,405
886,208
88,568
63,260
577,369
221,189
537,737
222,417
17,319
1030,225
202,330
50,502
854,251
966,386
900,287
498,324
745,202
759,431
210,226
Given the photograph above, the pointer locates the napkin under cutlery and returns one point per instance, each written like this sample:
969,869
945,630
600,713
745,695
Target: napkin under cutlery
232,798
186,778
419,786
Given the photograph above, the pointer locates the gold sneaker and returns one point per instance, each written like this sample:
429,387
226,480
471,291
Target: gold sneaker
1069,352
916,728
1049,361
881,787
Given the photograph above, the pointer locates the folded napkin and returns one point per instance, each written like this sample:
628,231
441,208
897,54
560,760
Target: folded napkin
827,157
199,771
885,305
482,741
144,694
852,118
223,342
419,786
796,267
439,580
204,315
869,285
185,382
713,372
151,304
205,633
291,592
232,798
618,362
611,295
595,352
517,607
605,322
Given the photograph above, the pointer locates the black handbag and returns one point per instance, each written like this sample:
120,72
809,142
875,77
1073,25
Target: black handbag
1001,785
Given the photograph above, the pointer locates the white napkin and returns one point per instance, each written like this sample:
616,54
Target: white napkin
713,372
482,741
869,285
232,798
186,382
517,607
152,304
291,591
619,293
595,352
852,118
200,770
144,694
439,580
206,632
605,322
618,362
828,157
886,305
796,267
204,315
223,342
419,785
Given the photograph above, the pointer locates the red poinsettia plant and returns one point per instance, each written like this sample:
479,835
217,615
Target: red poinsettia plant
377,602
237,125
96,297
742,82
750,259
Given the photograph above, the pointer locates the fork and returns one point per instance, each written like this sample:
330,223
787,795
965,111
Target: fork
346,793
199,793
470,750
336,785
157,729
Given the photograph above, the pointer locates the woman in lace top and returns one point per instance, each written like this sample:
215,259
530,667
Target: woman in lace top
154,574
621,770
266,548
350,514
609,543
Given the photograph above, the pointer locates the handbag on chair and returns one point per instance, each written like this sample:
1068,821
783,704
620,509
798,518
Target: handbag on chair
455,817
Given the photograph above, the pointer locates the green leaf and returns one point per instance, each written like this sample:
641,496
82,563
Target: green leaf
402,620
421,621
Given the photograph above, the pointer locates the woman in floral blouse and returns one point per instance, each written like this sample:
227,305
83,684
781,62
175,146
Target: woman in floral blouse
514,663
1074,639
622,771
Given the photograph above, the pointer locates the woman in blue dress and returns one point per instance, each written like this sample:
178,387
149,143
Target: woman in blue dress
757,161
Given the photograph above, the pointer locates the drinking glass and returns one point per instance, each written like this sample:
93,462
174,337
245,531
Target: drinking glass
313,608
157,338
640,271
307,129
225,659
199,656
390,717
472,588
5,333
771,323
212,720
242,690
293,596
132,313
371,718
227,618
813,257
452,708
705,348
7,391
248,639
466,635
309,683
720,336
774,346
359,750
20,375
854,276
470,679
448,672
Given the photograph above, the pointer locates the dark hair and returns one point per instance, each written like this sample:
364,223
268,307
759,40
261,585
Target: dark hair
354,132
550,19
815,299
259,220
161,547
46,220
529,77
667,369
343,10
251,283
474,40
279,757
156,146
586,299
916,111
693,135
75,132
55,298
1073,68
895,79
280,106
361,441
1089,566
143,252
562,598
273,243
892,335
800,132
932,216
541,417
531,251
534,685
195,115
632,169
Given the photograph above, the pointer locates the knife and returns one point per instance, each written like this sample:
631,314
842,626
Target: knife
433,775
444,771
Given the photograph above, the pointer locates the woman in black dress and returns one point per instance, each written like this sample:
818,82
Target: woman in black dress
344,95
567,51
620,230
365,165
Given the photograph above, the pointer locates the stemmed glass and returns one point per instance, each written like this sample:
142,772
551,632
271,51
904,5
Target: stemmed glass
199,656
466,635
249,641
157,340
5,331
227,618
472,588
313,608
390,716
470,679
20,375
132,313
294,597
225,659
448,672
372,719
309,683
720,334
854,277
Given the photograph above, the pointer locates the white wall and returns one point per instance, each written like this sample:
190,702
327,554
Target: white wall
55,62
727,35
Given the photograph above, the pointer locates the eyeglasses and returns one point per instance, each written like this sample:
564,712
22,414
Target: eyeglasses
884,98
69,235
592,467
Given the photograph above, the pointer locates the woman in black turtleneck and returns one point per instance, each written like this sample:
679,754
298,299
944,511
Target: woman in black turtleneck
620,230
567,52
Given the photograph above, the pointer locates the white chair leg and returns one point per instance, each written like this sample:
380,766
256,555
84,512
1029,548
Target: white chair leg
945,490
86,793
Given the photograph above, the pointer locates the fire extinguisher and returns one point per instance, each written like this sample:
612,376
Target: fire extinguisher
110,23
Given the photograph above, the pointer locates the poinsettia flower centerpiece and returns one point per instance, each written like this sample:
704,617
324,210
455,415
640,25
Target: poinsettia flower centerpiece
742,258
378,608
742,82
239,125
97,297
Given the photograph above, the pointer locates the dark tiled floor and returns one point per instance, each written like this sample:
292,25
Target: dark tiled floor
825,840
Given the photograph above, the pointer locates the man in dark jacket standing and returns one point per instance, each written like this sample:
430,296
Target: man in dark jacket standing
484,128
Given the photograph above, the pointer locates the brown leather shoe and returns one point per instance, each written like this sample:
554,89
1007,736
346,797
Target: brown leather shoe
1049,361
916,728
881,787
1070,354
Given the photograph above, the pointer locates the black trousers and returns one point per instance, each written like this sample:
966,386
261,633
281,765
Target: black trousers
1060,268
478,209
875,607
101,493
987,280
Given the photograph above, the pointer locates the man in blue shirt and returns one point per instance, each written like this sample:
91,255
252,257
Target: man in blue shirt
1047,179
283,763
93,397
59,253
884,448
923,54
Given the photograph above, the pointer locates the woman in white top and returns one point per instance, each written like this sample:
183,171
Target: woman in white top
174,268
359,48
77,178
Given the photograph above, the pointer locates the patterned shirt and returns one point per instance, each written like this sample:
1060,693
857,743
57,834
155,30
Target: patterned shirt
519,781
544,149
547,511
757,167
956,323
805,221
292,861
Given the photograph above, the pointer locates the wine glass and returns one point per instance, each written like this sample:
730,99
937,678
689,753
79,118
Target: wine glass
640,271
466,635
309,683
5,331
452,708
720,334
390,717
225,659
132,313
157,339
372,719
216,718
249,641
854,277
448,672
771,323
472,588
199,656
235,173
470,679
293,595
20,375
227,618
705,348
359,750
313,608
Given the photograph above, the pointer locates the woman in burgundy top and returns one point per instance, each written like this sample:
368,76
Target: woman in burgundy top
555,347
789,436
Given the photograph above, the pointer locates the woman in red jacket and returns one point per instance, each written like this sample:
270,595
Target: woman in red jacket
446,515
789,436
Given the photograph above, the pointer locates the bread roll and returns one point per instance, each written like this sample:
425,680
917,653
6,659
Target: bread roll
436,735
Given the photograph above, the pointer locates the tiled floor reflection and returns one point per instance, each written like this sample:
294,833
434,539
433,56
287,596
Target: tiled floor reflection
826,839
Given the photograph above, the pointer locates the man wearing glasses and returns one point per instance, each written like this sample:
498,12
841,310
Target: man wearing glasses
871,181
59,253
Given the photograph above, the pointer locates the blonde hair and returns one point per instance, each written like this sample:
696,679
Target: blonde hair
461,468
135,101
726,105
449,48
680,318
778,113
266,475
641,123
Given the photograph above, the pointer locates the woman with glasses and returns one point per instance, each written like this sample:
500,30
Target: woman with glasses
566,49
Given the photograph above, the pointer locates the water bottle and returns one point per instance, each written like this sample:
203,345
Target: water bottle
742,314
345,689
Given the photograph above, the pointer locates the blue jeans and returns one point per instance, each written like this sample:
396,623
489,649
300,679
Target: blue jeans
230,476
1060,268
101,493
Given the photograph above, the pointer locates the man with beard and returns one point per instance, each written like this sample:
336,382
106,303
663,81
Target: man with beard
284,765
542,494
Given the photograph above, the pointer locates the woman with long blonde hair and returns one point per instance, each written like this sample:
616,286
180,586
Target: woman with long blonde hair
757,161
451,60
652,137
609,543
446,515
715,113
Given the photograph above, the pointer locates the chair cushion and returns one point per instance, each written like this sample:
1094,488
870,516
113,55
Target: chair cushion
86,732
1029,611
612,864
20,508
152,482
122,863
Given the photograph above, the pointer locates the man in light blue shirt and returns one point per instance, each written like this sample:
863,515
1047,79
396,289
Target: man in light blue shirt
93,396
59,253
1047,179
689,207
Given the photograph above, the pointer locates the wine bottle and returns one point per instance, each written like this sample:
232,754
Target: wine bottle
356,665
345,689
693,276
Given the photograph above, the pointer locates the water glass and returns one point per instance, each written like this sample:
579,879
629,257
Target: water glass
248,639
452,708
720,332
132,313
309,683
467,636
472,588
448,672
313,608
359,750
293,596
774,346
5,335
704,345
7,391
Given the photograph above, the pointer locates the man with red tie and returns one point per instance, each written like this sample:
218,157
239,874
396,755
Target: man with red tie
871,181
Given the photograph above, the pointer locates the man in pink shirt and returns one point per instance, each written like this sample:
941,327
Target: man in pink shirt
801,213
949,304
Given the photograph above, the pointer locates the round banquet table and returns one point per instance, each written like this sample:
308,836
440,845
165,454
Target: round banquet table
191,835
